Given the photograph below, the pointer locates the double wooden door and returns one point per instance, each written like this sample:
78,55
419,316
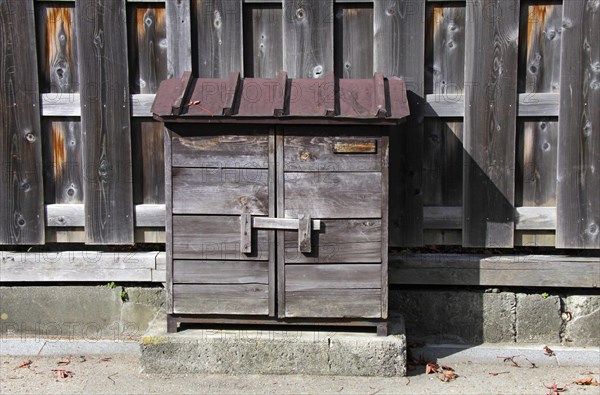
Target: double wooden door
286,222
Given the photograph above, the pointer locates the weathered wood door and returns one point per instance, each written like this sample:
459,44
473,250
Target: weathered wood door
218,174
339,176
288,223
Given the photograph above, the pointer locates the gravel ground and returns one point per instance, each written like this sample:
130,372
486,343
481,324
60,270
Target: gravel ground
98,374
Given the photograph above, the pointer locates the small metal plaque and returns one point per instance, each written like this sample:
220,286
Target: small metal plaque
355,147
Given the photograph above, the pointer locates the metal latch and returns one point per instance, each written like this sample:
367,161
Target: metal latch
303,224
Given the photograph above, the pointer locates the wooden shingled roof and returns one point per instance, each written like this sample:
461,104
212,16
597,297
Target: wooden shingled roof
378,100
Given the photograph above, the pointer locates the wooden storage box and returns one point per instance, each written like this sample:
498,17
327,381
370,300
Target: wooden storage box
277,199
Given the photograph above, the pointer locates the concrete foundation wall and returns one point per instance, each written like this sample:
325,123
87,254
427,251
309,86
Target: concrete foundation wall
82,311
432,315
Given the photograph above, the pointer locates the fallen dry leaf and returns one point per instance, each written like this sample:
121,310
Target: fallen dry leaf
448,375
64,363
107,359
587,381
548,351
431,367
62,374
588,372
497,373
26,364
554,389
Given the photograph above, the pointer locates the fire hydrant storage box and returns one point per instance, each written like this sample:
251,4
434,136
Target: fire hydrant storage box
277,198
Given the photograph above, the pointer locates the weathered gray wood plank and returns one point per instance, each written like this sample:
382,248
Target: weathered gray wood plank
536,162
217,37
510,270
442,163
63,163
108,194
76,266
541,25
399,50
246,151
578,187
307,38
316,277
246,299
263,40
222,191
179,37
58,54
147,47
333,195
353,37
214,238
21,182
490,123
339,241
314,151
148,161
220,272
385,203
445,58
334,303
168,154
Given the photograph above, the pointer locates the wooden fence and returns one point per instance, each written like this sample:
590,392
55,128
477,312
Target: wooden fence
502,149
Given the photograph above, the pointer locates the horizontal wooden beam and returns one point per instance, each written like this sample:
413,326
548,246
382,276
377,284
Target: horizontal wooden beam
79,266
405,269
509,270
449,105
526,218
72,215
69,105
530,105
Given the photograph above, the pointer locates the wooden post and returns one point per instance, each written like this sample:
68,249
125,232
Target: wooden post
105,109
21,184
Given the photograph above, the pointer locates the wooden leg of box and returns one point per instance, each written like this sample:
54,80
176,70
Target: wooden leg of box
382,329
171,324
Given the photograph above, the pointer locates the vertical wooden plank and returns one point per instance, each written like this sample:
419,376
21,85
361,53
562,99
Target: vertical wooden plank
263,40
442,163
445,57
492,33
444,70
21,184
385,201
280,165
179,37
218,37
168,221
539,48
578,187
399,50
147,47
273,195
57,49
307,38
536,162
304,233
147,67
353,38
108,196
58,65
148,166
62,152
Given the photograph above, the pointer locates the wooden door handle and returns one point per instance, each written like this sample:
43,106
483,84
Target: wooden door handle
304,224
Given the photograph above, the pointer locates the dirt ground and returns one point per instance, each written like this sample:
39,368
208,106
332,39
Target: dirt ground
120,374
